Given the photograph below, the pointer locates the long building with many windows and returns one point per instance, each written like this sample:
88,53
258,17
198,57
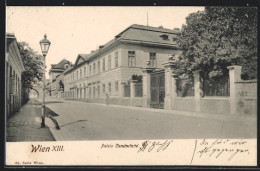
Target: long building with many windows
108,71
14,69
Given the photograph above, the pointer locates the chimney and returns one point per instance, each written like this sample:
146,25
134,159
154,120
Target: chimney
92,51
101,46
161,27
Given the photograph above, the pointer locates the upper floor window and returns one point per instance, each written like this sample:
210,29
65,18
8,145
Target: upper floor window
77,75
104,64
153,62
89,70
84,71
116,59
131,58
98,70
165,37
80,74
94,68
109,62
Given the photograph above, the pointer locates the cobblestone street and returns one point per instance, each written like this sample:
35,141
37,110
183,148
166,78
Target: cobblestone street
25,125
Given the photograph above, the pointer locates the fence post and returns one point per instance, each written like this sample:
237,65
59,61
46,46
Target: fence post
234,76
147,86
197,90
170,85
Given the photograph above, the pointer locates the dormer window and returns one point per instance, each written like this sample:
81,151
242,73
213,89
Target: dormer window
66,66
165,37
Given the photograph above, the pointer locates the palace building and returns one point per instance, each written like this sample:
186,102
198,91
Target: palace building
116,69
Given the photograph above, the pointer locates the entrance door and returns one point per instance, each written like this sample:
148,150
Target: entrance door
157,90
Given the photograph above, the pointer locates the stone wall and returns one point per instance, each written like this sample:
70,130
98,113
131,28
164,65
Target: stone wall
241,102
246,97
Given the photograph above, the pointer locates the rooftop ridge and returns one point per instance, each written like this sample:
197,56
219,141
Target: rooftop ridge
152,28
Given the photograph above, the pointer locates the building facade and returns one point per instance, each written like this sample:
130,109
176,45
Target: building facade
14,69
108,71
56,74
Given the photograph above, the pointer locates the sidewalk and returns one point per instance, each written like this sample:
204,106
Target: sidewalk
25,125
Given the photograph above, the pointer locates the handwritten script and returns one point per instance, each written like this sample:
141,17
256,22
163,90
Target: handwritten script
157,145
225,148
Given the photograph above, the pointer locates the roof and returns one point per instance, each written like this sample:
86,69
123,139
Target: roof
142,34
135,33
150,28
10,37
84,56
60,65
149,35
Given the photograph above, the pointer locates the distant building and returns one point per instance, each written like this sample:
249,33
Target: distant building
111,68
57,69
14,69
56,77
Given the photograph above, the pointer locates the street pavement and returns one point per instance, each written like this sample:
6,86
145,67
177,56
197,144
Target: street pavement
90,121
25,125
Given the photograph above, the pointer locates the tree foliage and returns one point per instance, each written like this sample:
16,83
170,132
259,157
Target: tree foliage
33,67
216,38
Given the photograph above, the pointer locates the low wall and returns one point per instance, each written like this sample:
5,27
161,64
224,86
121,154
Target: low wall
215,105
137,101
184,104
246,97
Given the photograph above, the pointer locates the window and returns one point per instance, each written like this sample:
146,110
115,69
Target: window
16,84
98,90
153,62
109,87
94,68
89,70
11,80
84,71
89,92
131,58
104,88
109,62
73,77
77,75
165,37
116,86
104,63
116,59
98,71
94,91
80,76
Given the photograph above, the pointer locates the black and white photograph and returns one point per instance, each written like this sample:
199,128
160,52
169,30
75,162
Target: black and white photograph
131,85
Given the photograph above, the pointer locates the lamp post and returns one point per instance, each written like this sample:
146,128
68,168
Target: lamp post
45,44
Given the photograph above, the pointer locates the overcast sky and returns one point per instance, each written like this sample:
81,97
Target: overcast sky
74,30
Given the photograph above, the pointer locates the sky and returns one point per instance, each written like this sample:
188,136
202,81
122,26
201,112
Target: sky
75,30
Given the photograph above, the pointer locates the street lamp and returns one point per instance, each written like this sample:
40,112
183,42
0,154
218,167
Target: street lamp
45,44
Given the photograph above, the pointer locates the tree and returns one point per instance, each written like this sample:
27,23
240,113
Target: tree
216,38
33,68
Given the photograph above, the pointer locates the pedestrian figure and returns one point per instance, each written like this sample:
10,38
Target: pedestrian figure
107,99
